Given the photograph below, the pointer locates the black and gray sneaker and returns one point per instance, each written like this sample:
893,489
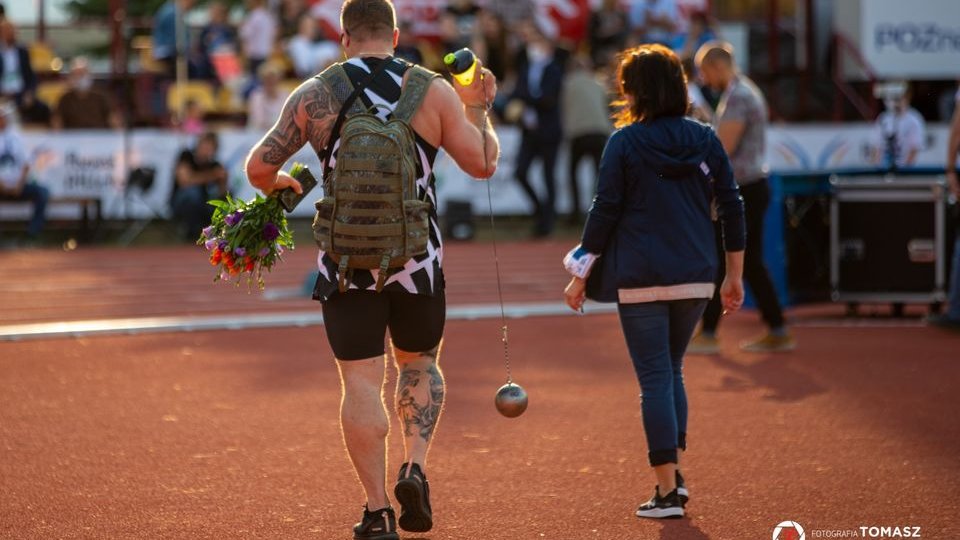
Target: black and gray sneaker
665,507
682,491
413,494
377,525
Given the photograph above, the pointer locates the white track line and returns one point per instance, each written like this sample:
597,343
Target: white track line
152,325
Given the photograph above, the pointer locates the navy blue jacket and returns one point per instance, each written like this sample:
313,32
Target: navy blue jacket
651,218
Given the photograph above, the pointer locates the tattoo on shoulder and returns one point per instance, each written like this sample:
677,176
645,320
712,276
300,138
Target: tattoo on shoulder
313,105
321,108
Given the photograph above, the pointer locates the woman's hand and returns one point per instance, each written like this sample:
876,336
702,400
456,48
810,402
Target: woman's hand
731,294
575,293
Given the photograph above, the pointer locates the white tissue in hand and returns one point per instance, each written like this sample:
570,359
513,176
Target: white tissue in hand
579,262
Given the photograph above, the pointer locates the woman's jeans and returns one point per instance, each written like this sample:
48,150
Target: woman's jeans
657,335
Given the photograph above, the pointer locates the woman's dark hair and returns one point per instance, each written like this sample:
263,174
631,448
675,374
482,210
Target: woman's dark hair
653,77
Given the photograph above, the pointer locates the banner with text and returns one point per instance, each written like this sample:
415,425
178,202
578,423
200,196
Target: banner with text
95,164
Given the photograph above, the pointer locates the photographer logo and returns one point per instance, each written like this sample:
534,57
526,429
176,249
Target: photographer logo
789,530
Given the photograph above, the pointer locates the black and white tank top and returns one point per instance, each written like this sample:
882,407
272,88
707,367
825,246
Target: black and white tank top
422,274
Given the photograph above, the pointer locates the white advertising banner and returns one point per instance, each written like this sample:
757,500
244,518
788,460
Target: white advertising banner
95,165
904,40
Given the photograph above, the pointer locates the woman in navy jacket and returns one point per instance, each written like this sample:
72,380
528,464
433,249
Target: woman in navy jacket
651,226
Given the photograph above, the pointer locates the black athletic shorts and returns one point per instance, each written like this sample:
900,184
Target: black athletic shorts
357,322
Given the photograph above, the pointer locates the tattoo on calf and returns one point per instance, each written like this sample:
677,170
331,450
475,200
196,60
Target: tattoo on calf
421,417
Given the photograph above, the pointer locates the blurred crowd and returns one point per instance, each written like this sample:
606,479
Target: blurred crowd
261,52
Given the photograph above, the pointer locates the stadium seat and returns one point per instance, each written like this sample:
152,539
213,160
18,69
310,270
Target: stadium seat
50,92
228,102
199,91
42,58
144,45
289,85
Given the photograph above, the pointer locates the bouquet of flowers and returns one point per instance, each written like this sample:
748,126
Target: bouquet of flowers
247,237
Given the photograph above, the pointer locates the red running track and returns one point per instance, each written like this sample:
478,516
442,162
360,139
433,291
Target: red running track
234,434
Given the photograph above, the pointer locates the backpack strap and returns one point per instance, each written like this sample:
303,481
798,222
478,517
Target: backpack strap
414,90
337,78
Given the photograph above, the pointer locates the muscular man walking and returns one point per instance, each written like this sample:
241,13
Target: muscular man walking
411,304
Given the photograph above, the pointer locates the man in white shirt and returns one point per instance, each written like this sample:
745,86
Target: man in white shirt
900,131
266,101
308,55
14,173
258,34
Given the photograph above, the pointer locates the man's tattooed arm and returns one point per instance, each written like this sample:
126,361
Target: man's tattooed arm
307,117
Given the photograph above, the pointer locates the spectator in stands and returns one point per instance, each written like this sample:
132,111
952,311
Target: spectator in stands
258,34
514,13
291,13
408,46
266,101
309,52
699,33
165,33
216,37
491,44
458,24
193,122
741,122
18,82
83,106
586,123
609,28
899,131
15,173
700,108
198,177
951,318
654,21
3,12
535,105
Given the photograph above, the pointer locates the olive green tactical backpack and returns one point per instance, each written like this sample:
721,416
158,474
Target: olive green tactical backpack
371,216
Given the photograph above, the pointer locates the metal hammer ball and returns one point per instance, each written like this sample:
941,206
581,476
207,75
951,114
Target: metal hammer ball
511,400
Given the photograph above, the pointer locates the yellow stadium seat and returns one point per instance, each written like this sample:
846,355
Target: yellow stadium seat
227,103
201,92
289,85
144,46
42,57
51,92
